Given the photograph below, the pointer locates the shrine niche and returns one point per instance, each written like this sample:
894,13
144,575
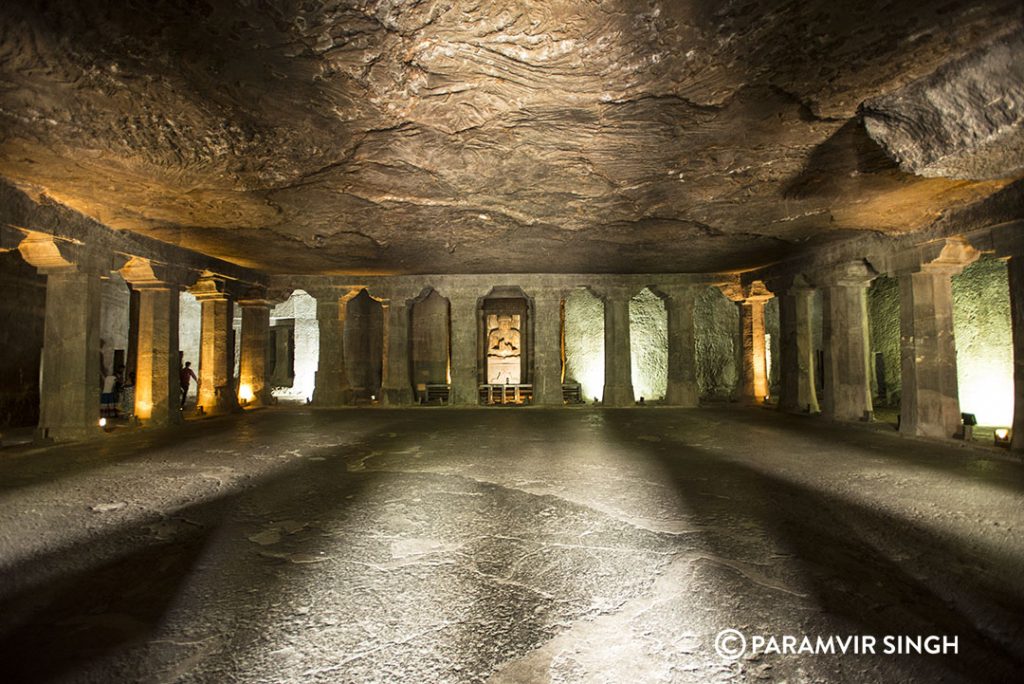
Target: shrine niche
504,349
506,363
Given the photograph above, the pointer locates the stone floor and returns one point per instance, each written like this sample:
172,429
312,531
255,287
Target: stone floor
515,545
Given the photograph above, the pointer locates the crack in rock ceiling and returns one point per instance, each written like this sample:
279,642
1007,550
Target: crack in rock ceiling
429,136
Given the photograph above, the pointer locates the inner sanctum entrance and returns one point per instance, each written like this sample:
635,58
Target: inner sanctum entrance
506,350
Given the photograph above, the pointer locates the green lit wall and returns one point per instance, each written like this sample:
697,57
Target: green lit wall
584,342
648,345
981,323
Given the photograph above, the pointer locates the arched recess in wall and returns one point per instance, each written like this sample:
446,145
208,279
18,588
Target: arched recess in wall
364,345
584,342
506,348
884,338
716,333
648,345
429,348
294,348
190,325
984,341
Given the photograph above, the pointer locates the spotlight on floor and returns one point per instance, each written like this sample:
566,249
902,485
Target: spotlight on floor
1002,437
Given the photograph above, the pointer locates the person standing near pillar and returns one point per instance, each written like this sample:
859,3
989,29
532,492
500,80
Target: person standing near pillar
186,375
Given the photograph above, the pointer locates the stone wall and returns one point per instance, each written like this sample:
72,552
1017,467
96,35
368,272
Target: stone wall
884,332
981,321
22,310
648,344
429,339
717,325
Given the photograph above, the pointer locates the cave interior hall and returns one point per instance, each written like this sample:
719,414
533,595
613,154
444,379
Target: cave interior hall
525,341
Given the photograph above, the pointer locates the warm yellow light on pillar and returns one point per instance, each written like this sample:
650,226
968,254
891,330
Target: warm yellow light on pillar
245,394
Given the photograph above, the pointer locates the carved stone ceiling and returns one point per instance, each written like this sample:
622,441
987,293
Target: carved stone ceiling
434,137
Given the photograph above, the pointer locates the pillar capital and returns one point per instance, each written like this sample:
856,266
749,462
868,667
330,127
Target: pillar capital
754,291
614,291
549,294
857,273
791,283
945,257
210,288
255,297
56,255
144,274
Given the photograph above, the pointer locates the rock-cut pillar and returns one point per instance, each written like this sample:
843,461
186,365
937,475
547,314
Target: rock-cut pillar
253,380
797,392
332,384
929,394
753,353
465,341
681,389
618,379
547,356
847,393
157,381
70,383
216,375
397,386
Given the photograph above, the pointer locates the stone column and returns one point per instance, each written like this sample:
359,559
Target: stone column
70,383
157,381
253,380
332,385
547,354
216,381
929,396
1016,276
465,332
753,359
796,313
682,370
847,394
397,386
618,379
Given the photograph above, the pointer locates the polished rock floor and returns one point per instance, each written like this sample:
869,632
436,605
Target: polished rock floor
444,545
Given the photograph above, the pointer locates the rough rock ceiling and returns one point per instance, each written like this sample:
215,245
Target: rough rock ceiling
432,136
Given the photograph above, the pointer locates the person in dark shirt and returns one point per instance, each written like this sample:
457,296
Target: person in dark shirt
186,374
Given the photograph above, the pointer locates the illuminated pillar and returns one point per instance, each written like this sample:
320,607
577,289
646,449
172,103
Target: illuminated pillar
796,310
547,357
847,394
682,373
332,385
753,358
70,383
929,397
216,381
253,383
1016,275
397,389
465,332
618,379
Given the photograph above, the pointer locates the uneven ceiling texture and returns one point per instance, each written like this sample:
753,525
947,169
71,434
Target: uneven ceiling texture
432,136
